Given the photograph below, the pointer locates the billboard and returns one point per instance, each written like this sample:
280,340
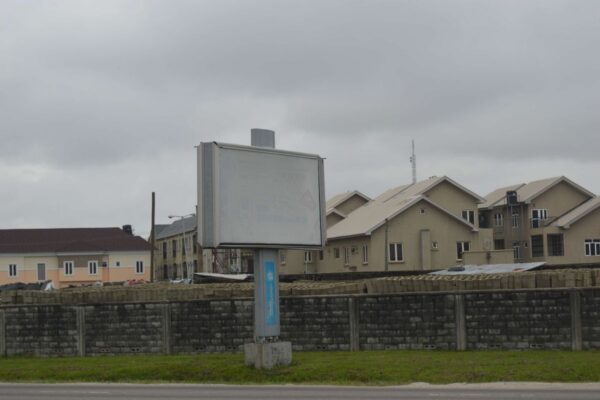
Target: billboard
259,197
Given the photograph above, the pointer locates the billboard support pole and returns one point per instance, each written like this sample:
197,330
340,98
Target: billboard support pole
266,351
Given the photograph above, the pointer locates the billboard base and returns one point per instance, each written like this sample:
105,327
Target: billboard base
268,355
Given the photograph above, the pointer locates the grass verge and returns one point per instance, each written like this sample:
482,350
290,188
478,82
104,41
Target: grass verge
339,368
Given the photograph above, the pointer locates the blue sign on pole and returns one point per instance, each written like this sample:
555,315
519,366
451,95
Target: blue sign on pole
271,301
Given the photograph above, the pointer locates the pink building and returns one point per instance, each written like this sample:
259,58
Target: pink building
73,256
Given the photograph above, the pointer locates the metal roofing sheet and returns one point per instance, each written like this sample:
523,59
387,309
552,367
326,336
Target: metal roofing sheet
177,227
489,269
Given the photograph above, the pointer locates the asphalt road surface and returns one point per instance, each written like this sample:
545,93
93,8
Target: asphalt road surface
498,391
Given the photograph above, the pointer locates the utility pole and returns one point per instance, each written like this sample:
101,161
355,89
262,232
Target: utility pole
152,237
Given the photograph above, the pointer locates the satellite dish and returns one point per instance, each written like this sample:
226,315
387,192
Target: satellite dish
487,244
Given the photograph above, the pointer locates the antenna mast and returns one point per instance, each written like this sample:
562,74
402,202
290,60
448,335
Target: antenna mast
413,163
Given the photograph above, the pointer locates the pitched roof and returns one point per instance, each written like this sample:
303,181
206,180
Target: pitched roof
364,220
499,194
69,240
373,215
342,197
337,212
159,227
566,220
422,187
177,227
527,192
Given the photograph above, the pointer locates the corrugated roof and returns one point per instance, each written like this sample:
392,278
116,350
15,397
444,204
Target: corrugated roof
391,203
65,240
176,228
158,228
566,220
529,191
489,269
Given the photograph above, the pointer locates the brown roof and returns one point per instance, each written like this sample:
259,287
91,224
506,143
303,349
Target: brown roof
67,240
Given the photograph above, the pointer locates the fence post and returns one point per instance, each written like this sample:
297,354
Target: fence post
575,305
166,324
2,333
461,326
353,319
80,316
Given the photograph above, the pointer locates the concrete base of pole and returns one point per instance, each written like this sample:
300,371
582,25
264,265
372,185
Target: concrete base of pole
268,355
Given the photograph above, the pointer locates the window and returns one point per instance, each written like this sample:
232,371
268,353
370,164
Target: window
12,270
41,272
537,246
498,219
516,251
592,247
183,246
174,247
365,254
499,244
282,257
346,256
435,245
422,211
336,252
556,246
195,244
469,215
118,264
165,272
68,267
321,255
139,267
516,220
308,257
164,248
537,216
461,247
93,267
396,252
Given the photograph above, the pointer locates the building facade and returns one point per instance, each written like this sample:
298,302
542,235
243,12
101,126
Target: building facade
178,254
73,256
553,220
423,226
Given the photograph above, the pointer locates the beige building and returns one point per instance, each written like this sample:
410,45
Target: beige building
422,226
73,256
553,220
178,254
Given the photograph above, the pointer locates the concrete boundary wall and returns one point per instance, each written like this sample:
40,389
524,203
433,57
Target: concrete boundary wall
524,319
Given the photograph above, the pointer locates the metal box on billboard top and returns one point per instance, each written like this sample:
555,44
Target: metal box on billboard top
259,197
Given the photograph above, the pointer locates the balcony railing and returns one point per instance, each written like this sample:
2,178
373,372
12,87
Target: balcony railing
540,223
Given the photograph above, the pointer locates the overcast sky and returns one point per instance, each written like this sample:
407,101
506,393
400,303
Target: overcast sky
102,102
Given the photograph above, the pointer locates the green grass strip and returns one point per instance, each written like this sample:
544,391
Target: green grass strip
338,368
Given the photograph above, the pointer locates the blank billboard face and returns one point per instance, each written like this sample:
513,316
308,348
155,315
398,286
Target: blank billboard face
259,197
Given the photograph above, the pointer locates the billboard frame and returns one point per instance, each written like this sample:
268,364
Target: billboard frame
208,197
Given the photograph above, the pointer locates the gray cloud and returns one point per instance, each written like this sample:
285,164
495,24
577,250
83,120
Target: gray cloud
102,102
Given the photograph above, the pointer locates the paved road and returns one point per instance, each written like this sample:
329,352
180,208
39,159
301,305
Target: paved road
418,392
